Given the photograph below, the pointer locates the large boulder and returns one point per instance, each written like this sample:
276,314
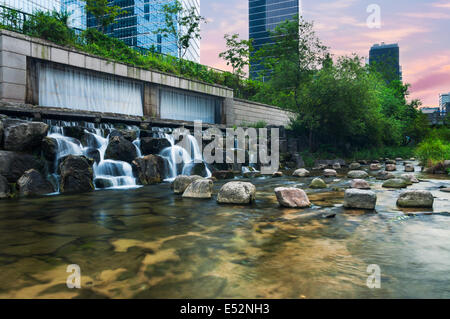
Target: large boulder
76,174
318,183
224,174
76,132
33,183
360,199
416,199
375,167
103,183
337,166
292,197
200,188
24,137
329,173
391,167
359,184
354,166
151,145
182,182
409,168
409,178
5,190
237,193
13,165
357,174
395,183
49,148
384,176
149,169
120,149
301,173
129,135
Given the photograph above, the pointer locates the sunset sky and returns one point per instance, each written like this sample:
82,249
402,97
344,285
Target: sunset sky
421,28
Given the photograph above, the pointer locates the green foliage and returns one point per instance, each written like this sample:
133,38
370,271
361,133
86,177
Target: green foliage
238,53
433,151
104,12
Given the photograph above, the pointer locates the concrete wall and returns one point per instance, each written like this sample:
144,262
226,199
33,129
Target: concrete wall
248,112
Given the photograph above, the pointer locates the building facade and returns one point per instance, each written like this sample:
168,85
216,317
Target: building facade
142,18
264,16
444,102
386,60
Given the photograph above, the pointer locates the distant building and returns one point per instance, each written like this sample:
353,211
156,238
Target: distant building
264,16
444,99
386,60
142,18
429,110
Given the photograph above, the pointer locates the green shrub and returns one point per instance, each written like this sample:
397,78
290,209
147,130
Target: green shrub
51,26
433,151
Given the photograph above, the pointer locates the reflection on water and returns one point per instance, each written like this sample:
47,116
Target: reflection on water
148,243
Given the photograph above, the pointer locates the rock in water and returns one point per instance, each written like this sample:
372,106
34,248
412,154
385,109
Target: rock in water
337,166
200,188
395,183
301,173
149,169
360,199
13,165
329,173
33,183
409,168
391,167
445,190
182,182
237,193
384,176
357,174
76,174
410,178
103,183
24,137
5,190
292,197
277,174
318,183
375,167
120,149
359,184
223,174
49,148
354,166
416,199
151,145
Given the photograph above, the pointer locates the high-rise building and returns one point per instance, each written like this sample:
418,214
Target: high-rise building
444,101
74,7
386,60
264,16
136,27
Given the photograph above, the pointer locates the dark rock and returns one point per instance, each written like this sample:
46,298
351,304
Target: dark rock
199,169
94,154
129,135
151,145
354,166
33,183
24,137
103,183
76,132
13,165
49,148
76,174
146,133
120,149
5,190
149,169
89,140
223,174
1,134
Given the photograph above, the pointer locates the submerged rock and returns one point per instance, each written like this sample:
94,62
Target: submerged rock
357,174
24,137
301,173
360,199
13,165
329,173
149,169
76,174
120,149
5,190
103,183
359,184
33,183
292,197
318,183
354,166
416,199
151,145
395,183
237,193
200,188
182,182
223,174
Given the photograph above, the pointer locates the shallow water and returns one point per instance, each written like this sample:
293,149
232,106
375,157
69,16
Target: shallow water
149,243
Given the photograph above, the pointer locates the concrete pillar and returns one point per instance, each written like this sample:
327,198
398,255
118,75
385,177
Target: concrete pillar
228,109
151,101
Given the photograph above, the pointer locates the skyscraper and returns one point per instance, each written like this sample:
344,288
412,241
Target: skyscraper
386,60
444,101
142,18
264,16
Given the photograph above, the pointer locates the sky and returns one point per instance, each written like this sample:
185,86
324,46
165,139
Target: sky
421,28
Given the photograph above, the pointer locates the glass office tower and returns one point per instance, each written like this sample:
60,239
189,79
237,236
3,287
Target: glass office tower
74,7
386,60
264,16
136,27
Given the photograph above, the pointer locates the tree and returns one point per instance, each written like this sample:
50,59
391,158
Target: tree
238,53
104,13
181,23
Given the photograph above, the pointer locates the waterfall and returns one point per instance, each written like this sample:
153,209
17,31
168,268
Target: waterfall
179,160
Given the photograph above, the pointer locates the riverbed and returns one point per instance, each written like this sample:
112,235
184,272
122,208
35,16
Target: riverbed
149,243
